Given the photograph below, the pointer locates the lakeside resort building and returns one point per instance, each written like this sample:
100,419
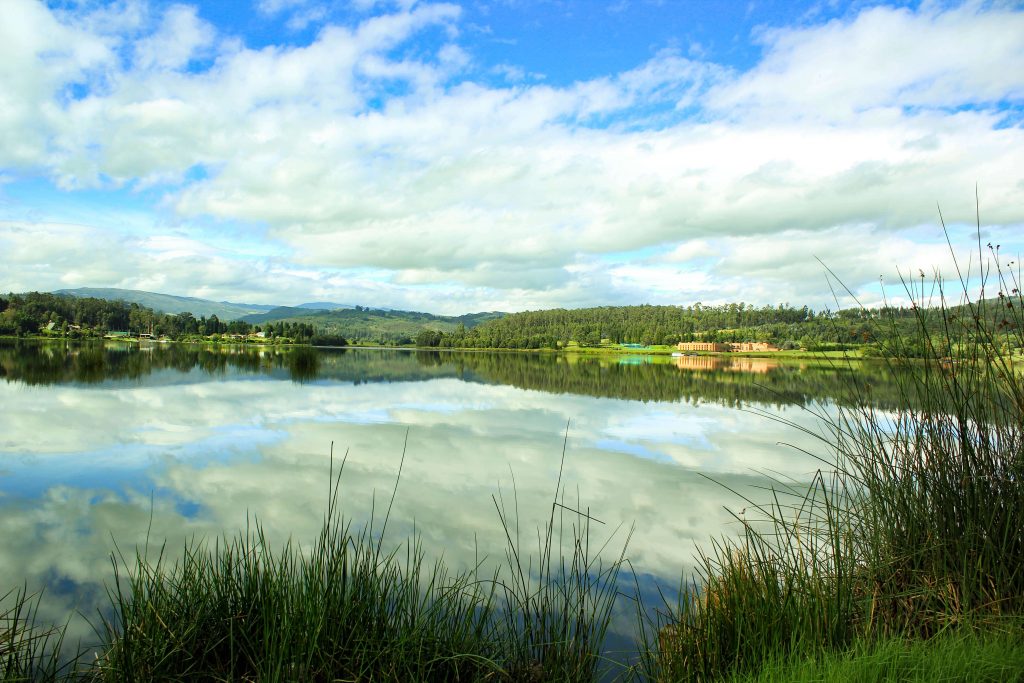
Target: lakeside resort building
738,347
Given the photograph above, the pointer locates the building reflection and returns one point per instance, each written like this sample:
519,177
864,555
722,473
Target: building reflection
715,363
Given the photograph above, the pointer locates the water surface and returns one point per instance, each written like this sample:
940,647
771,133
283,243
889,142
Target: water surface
102,447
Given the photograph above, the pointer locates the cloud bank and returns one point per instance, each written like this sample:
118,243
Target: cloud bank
382,160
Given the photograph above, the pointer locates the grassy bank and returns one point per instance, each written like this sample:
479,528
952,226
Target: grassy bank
913,529
985,655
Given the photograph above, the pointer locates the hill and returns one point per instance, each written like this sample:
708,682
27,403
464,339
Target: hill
357,323
371,325
167,303
325,305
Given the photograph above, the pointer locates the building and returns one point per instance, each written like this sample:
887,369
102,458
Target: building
754,346
703,346
723,348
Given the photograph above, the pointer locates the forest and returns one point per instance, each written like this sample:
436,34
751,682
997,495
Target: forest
783,325
786,326
76,317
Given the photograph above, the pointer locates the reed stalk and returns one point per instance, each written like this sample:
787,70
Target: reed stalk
913,525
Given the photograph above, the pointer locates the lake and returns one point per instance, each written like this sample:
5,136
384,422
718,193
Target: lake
104,447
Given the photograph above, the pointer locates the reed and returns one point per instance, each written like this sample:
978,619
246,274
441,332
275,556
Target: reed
347,610
30,651
913,525
557,604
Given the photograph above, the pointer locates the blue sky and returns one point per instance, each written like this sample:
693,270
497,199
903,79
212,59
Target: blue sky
505,155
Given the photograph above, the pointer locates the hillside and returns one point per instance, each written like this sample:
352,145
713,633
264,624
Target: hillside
167,303
371,325
357,323
324,305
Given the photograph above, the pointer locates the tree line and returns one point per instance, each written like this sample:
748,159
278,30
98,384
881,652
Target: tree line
783,325
74,317
651,325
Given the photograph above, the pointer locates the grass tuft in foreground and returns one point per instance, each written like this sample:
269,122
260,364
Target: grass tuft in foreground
967,656
346,610
914,527
28,651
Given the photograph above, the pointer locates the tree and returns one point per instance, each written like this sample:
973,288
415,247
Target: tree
429,338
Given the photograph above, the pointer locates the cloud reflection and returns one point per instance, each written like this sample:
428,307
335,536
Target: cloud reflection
88,468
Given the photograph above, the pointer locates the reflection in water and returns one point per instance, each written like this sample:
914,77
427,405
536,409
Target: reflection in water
304,364
699,363
103,445
740,364
760,366
727,381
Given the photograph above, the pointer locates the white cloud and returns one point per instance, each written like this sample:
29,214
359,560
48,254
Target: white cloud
886,57
180,37
40,58
365,149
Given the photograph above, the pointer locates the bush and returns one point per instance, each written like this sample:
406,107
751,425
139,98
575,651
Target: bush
324,339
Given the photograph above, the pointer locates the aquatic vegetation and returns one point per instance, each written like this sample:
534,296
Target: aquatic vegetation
348,608
913,526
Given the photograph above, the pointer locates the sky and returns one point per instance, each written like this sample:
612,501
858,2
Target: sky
508,154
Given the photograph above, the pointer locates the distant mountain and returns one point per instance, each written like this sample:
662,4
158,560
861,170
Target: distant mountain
166,303
280,313
324,305
373,325
378,325
471,320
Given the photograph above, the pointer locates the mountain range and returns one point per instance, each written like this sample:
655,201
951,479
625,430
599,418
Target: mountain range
379,325
168,303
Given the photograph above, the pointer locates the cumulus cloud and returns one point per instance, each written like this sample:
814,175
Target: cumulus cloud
367,149
885,57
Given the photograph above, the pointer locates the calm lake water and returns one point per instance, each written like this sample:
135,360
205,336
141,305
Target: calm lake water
100,445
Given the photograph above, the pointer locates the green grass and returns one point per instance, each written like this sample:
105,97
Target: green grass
913,527
964,656
30,651
346,608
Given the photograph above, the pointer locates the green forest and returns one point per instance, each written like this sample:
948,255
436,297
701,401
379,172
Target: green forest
786,326
82,317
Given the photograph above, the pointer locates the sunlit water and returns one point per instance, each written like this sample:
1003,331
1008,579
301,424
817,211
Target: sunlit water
102,447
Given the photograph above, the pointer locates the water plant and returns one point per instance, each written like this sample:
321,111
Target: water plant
913,525
30,651
346,608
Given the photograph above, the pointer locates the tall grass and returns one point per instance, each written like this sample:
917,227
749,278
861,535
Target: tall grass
914,525
30,651
955,656
346,609
557,611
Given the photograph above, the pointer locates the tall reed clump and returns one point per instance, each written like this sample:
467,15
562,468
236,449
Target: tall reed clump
943,505
348,610
788,583
914,525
